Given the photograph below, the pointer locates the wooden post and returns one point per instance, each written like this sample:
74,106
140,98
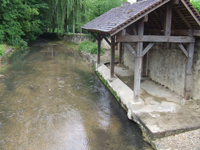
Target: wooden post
188,72
112,60
168,19
120,53
138,62
99,48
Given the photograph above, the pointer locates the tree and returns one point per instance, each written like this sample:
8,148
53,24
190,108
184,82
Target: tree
196,4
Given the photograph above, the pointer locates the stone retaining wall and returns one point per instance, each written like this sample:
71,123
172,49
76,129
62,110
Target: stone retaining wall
78,38
166,65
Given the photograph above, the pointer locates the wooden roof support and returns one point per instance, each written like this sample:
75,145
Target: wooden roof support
112,60
188,71
138,63
168,19
155,38
147,48
184,19
120,52
105,38
183,49
130,48
99,48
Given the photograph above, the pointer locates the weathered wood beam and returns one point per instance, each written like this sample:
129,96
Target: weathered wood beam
188,72
138,63
99,48
146,18
188,8
168,19
120,52
138,18
116,43
134,30
112,60
183,49
106,40
130,48
154,38
149,46
184,19
179,32
196,33
95,36
175,1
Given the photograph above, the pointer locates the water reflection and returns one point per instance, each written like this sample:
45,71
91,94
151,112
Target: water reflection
53,100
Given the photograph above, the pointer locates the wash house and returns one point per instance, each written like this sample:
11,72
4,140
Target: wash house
146,23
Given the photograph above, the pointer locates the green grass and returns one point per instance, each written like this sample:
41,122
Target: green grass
89,47
1,49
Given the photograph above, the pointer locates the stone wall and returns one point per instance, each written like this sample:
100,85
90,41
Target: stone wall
166,65
78,38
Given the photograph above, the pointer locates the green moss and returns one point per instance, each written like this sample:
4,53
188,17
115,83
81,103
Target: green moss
106,83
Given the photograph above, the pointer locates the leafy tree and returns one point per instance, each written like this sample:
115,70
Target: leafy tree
196,4
20,21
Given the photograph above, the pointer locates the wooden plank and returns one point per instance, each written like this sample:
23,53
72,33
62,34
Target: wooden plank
196,33
95,36
179,32
120,52
154,38
99,49
138,63
184,19
188,72
138,18
112,60
188,8
183,49
106,40
168,19
149,46
130,48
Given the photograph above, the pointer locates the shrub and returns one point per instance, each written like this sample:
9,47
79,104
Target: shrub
89,47
1,50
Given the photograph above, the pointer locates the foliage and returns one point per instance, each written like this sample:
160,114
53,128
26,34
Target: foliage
89,47
20,21
196,4
1,49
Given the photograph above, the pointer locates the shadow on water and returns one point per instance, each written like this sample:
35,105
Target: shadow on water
51,99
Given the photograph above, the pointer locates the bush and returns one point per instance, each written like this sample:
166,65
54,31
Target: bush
1,50
89,47
196,4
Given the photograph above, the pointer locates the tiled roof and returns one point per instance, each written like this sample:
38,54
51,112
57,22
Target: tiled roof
120,17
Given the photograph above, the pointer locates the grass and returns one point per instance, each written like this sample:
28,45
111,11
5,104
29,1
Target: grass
2,47
90,47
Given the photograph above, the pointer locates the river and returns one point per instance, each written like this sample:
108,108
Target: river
53,100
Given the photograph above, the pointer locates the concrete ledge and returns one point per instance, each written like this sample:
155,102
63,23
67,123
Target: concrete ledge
159,117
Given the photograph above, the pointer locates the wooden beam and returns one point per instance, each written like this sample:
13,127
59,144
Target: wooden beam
106,40
138,63
196,33
188,72
99,48
184,19
183,49
159,14
168,19
175,1
154,38
147,48
138,18
146,18
120,52
95,36
123,32
178,32
130,48
112,60
188,8
116,43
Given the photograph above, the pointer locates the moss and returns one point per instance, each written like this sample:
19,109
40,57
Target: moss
106,83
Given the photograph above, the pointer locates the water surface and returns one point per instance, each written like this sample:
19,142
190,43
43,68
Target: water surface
52,100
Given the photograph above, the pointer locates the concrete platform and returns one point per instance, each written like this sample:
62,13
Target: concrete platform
160,112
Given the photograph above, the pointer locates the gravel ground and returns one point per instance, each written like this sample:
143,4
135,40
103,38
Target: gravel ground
184,141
